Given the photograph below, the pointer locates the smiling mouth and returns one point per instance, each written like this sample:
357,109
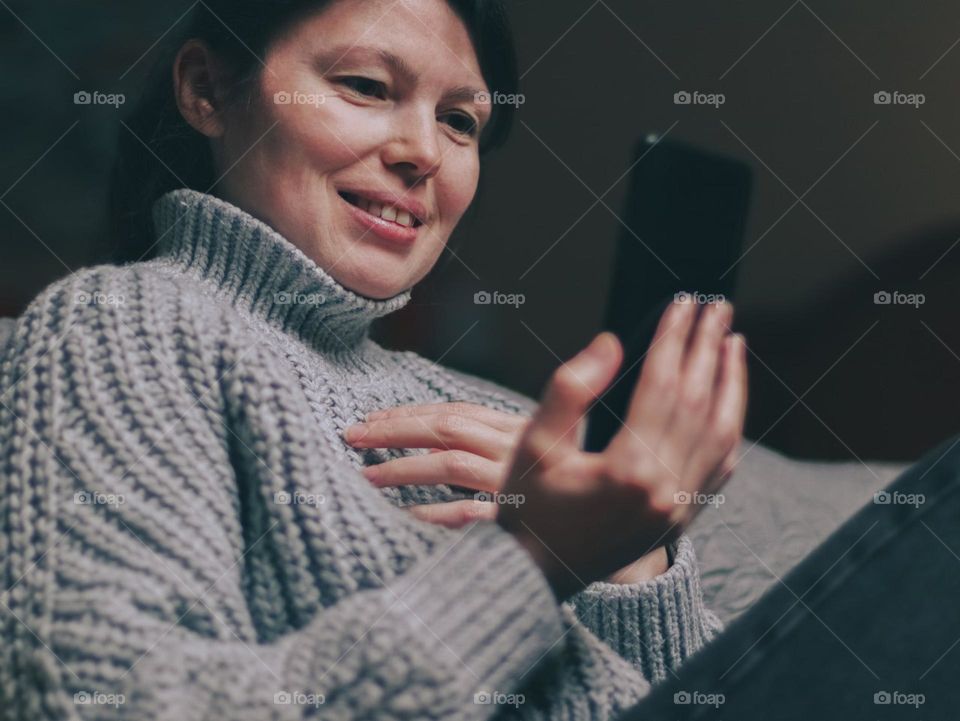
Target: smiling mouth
389,213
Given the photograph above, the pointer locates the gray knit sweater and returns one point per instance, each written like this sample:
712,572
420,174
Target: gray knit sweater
184,534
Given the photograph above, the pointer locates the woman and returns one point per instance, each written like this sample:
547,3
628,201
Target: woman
194,526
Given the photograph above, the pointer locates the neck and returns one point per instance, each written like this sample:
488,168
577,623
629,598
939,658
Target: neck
262,272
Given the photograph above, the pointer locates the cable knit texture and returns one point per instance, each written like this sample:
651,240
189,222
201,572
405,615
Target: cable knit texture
184,534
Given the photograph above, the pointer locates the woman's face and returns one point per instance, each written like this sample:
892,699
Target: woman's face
364,101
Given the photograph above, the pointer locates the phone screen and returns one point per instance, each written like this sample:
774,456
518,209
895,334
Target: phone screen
686,211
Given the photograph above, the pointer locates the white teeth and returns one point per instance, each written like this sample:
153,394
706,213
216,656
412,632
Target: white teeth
387,212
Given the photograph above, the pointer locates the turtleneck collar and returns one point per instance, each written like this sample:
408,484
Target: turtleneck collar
264,273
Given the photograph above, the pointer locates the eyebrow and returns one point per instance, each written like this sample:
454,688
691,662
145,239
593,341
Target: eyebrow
330,59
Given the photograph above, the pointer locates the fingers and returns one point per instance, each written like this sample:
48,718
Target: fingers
572,389
673,439
724,471
716,453
701,361
741,380
700,377
508,422
454,467
455,514
653,397
439,430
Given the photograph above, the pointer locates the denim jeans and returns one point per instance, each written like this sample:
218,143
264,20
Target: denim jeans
867,626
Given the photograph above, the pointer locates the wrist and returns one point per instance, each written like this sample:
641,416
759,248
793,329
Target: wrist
645,568
562,581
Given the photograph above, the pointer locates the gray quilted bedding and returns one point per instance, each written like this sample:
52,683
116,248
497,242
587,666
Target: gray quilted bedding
776,510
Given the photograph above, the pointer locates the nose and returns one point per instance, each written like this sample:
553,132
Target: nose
414,149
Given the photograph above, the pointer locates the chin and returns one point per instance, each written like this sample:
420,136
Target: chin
375,288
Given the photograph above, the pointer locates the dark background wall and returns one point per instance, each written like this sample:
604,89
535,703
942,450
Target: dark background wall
851,197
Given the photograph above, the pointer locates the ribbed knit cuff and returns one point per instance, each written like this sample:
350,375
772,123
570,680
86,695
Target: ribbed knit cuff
497,613
654,624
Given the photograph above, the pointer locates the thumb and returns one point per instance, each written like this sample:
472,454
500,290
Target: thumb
572,389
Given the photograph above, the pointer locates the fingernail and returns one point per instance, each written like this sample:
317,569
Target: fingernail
373,415
356,432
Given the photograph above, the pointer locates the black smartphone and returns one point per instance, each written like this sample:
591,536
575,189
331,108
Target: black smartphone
685,216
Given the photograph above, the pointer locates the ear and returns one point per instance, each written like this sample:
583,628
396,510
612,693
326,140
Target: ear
198,84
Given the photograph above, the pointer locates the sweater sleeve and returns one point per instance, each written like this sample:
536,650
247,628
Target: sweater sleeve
656,624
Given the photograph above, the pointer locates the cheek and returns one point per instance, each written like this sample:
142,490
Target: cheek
457,187
316,137
323,132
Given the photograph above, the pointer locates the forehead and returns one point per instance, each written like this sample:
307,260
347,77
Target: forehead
427,35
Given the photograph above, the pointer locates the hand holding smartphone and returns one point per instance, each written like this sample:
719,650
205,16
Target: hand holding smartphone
685,217
680,432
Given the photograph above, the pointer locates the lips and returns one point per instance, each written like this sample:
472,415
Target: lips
406,213
401,230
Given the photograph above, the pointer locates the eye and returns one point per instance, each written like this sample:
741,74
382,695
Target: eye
365,86
462,123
